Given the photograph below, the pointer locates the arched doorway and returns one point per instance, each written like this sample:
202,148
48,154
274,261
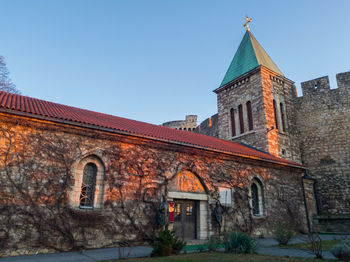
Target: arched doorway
190,201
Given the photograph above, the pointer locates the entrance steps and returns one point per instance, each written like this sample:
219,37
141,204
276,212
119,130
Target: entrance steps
192,242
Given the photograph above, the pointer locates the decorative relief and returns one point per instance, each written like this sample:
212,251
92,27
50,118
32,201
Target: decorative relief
186,181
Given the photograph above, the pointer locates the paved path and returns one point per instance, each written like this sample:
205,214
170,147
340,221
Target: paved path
267,246
86,256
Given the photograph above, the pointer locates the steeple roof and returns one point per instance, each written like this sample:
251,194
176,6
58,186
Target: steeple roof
249,55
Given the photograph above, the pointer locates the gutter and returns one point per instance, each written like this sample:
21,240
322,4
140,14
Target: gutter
305,204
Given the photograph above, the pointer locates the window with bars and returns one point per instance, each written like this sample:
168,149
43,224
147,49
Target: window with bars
88,186
257,198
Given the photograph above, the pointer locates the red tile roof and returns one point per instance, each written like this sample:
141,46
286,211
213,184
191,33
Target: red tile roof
39,108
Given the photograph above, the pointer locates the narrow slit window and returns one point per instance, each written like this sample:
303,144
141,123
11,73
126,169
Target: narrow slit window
283,117
250,115
275,112
241,122
233,125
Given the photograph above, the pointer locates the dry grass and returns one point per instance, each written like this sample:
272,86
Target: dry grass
326,245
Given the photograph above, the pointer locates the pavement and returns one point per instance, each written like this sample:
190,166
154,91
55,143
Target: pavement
267,246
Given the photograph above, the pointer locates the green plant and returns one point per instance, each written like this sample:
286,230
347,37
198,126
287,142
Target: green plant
342,250
214,242
283,233
166,243
239,243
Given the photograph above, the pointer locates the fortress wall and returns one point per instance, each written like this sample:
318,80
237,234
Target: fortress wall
323,122
209,127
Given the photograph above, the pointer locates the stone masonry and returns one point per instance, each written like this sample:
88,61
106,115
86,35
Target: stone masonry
323,122
133,175
260,86
189,124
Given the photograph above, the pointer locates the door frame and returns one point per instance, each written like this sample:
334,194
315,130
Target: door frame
202,211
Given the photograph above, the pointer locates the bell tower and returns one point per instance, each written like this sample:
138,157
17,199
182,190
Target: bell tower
255,102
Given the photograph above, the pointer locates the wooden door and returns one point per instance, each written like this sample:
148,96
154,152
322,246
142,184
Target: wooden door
185,219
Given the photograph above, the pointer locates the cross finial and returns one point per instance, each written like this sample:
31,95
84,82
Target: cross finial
247,21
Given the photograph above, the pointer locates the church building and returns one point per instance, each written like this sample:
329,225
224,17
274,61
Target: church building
74,179
258,106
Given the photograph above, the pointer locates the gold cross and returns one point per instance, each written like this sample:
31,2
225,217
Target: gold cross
246,24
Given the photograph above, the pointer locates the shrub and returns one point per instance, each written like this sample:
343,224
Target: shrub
283,233
314,245
214,242
166,243
239,243
342,250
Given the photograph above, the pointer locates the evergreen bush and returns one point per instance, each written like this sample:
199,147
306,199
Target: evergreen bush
166,243
239,243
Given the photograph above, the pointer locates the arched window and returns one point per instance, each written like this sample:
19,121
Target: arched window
283,117
241,122
88,186
88,189
275,112
257,198
233,125
250,115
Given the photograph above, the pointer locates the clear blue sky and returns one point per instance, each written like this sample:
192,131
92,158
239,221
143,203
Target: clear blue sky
157,61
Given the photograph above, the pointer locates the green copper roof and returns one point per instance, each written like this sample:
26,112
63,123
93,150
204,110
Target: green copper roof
249,55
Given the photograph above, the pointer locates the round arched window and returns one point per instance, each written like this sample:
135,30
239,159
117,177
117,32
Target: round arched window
88,186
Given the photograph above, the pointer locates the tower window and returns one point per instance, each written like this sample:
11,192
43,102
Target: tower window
283,117
233,125
275,112
250,115
241,122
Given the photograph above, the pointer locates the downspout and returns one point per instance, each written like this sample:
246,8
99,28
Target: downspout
305,204
317,200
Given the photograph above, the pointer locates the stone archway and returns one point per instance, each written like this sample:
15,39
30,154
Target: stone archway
190,198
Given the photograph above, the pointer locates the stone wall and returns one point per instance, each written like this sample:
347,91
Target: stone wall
323,122
39,181
189,124
260,86
209,127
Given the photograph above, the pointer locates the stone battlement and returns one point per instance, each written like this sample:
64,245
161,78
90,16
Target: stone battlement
189,124
319,88
322,120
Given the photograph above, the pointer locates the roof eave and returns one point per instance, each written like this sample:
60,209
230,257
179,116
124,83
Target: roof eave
116,131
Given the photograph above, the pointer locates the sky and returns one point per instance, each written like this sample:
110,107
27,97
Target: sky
159,60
